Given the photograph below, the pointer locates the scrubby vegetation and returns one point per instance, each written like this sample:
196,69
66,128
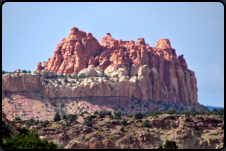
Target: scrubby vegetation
145,124
57,117
117,115
138,115
85,76
23,71
126,125
84,113
17,118
72,117
122,129
64,116
102,113
124,122
168,145
45,123
193,113
65,80
26,139
89,121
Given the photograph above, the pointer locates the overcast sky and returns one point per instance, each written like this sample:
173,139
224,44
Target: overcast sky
31,32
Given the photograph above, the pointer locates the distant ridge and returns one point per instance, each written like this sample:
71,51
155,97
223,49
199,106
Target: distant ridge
212,107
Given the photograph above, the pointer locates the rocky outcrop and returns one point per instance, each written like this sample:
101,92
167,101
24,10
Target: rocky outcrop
90,71
168,78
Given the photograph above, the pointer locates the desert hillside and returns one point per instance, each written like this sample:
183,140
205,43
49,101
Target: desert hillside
105,130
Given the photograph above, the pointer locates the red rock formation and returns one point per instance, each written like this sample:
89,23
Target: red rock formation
170,79
39,66
163,44
72,53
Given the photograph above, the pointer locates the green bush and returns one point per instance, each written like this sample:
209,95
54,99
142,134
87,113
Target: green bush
145,124
171,111
101,114
24,71
29,123
84,112
32,120
124,122
65,79
168,145
89,123
4,115
180,112
36,122
89,118
45,123
72,117
5,129
57,117
117,114
187,112
215,111
111,116
96,112
27,141
64,116
122,129
118,117
193,113
22,130
17,118
129,116
108,113
138,115
68,124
